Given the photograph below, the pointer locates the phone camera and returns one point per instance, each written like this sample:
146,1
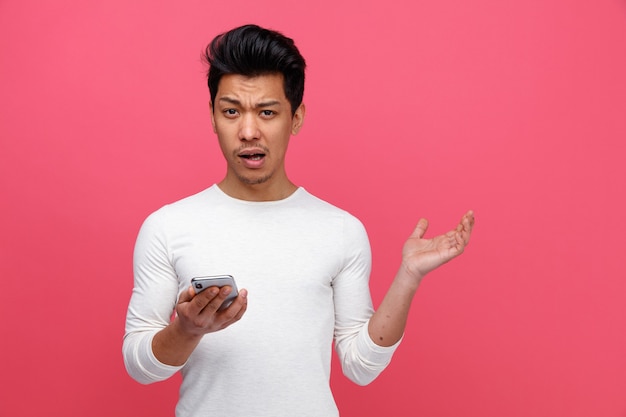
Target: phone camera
198,285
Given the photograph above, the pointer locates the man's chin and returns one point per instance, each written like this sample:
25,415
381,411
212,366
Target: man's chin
254,180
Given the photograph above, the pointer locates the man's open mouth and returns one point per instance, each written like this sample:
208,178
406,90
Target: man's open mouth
253,156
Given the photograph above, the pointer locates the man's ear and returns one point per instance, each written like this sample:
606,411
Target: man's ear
298,119
212,116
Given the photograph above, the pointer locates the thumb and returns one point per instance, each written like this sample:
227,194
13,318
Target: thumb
420,229
186,295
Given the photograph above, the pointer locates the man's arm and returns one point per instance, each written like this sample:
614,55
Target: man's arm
419,257
154,345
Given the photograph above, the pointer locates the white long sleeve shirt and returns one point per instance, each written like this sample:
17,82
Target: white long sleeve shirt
306,266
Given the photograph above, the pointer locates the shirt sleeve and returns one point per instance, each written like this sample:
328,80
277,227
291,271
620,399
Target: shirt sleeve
361,359
152,303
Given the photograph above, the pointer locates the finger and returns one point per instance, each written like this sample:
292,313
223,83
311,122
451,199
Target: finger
468,225
465,226
460,242
201,300
218,299
238,307
470,218
420,229
451,239
241,311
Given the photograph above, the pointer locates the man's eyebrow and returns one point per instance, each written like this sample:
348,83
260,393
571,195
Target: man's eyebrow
267,103
260,104
230,100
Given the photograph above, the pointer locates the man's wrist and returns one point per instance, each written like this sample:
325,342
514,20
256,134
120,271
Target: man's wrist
409,278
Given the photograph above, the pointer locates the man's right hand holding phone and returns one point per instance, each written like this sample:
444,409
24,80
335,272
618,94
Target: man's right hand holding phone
196,315
200,313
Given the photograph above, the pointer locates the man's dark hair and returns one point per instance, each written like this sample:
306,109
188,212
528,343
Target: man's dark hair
251,51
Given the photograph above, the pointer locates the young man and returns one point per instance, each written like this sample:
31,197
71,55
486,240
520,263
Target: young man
304,262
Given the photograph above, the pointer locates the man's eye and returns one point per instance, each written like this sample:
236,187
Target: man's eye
267,113
230,112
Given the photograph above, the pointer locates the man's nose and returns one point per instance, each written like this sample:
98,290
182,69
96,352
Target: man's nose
249,128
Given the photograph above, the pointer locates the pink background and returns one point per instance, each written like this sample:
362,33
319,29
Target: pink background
515,109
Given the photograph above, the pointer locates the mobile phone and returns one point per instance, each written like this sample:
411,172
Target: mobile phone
200,284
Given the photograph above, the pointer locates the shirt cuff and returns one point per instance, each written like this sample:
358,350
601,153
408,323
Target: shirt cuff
371,352
143,366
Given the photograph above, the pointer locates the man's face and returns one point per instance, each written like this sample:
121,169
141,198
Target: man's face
253,121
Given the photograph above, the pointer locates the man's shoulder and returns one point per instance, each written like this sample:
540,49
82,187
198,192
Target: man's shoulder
329,210
315,202
198,199
183,207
